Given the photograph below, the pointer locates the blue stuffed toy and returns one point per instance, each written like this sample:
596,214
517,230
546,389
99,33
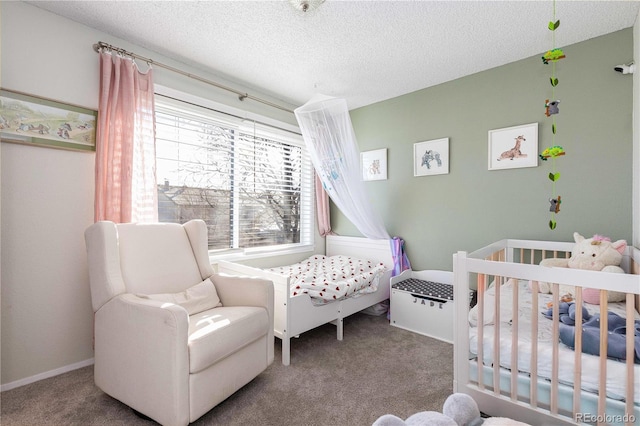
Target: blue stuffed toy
616,325
567,313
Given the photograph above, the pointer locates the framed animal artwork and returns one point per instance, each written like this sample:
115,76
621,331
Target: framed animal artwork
374,164
32,120
431,157
513,147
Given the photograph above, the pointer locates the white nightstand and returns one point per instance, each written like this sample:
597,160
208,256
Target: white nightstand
422,302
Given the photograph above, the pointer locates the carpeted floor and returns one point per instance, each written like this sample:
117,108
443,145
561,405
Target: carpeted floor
376,369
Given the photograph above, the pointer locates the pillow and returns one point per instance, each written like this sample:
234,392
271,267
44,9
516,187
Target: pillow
196,299
506,291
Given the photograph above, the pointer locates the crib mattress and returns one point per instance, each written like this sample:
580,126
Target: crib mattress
616,370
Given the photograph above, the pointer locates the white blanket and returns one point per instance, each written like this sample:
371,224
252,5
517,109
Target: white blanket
326,279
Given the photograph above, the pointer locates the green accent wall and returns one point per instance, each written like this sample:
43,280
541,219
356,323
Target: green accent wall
472,206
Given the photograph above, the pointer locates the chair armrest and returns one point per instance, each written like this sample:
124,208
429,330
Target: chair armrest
247,291
243,291
141,355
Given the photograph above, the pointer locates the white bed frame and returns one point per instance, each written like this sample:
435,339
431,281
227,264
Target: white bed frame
295,315
536,400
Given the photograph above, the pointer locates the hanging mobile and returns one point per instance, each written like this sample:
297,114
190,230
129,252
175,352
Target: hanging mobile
551,110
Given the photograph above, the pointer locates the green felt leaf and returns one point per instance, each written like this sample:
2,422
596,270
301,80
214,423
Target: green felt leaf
554,81
554,25
552,224
552,177
556,177
553,128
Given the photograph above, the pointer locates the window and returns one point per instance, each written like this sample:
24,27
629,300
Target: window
250,182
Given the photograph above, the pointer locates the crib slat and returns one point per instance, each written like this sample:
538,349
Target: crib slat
496,336
630,358
555,349
577,365
480,345
604,328
514,343
533,391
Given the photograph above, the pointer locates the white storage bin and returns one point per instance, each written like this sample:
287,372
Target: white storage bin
424,308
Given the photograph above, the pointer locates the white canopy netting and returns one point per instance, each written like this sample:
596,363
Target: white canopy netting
328,134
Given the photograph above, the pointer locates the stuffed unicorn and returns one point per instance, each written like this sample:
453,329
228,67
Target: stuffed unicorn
594,254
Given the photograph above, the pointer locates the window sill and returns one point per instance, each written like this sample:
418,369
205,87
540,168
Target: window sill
239,256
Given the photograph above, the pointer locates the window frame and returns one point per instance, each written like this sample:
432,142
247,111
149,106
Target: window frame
239,254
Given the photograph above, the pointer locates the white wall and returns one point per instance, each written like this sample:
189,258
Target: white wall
47,195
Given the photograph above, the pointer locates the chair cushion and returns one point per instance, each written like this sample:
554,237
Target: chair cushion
219,332
198,298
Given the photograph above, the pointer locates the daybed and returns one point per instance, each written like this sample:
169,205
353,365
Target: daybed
539,379
295,315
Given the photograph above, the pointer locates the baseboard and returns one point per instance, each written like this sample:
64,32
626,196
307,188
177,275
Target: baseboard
45,375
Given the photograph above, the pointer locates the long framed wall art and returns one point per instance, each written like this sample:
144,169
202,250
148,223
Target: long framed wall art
32,120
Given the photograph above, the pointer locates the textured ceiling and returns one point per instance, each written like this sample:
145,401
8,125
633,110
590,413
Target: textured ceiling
363,51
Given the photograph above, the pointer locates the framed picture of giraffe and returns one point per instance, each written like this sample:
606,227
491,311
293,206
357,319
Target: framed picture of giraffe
431,157
513,147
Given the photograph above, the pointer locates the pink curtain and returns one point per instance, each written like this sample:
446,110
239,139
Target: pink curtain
125,143
323,215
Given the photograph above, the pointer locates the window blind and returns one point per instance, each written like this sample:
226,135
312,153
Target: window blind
250,182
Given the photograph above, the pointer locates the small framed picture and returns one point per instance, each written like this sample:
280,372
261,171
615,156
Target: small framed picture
374,164
431,157
513,147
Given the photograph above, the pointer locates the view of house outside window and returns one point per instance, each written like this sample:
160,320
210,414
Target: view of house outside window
249,182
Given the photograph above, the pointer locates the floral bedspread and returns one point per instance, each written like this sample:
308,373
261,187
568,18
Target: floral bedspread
326,279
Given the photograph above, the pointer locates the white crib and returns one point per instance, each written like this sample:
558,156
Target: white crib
511,373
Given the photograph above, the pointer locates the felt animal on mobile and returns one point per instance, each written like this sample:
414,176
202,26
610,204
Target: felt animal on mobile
555,204
594,254
552,151
553,55
515,151
430,156
552,107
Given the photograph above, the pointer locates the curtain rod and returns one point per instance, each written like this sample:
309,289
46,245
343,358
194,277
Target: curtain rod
241,95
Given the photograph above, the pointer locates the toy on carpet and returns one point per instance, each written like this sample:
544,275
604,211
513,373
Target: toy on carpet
593,254
458,410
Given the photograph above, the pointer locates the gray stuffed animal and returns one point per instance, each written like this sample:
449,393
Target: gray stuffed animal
458,410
